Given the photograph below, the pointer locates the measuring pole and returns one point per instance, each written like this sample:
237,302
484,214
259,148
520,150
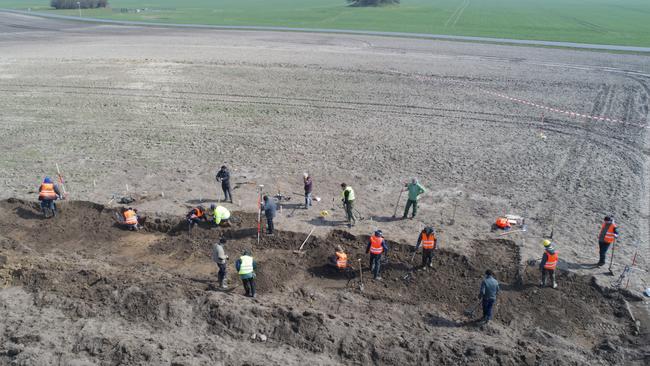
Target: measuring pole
259,214
58,172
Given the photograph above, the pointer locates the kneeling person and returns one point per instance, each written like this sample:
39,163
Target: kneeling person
131,218
196,215
339,260
221,215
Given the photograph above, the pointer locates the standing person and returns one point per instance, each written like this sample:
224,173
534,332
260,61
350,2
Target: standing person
269,208
220,215
246,267
347,196
220,258
606,237
309,188
549,263
223,176
48,192
376,247
414,191
488,295
428,240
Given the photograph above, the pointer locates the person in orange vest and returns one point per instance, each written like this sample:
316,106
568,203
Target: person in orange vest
131,218
376,247
549,263
196,215
503,223
48,192
428,241
339,259
606,237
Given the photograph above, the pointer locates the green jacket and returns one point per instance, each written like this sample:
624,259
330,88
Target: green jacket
415,189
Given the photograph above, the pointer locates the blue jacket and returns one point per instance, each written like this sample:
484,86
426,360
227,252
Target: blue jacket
249,275
269,208
489,288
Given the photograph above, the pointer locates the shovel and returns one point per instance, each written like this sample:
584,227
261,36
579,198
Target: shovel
397,204
299,251
611,261
470,312
360,276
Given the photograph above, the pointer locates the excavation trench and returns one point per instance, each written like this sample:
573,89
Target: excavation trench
86,266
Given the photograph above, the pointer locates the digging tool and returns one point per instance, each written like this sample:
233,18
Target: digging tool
259,213
397,203
631,266
523,230
61,180
470,312
611,261
360,276
552,227
304,242
453,214
361,218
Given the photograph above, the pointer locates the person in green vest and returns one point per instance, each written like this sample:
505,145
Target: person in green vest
220,215
246,267
414,189
347,196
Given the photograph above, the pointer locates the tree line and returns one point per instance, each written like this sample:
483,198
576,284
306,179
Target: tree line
372,2
84,4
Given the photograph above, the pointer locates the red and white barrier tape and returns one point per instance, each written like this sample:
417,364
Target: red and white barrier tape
568,113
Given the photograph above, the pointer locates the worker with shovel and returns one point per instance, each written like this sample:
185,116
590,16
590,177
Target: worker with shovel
415,189
606,237
220,258
549,263
428,241
488,295
340,259
48,192
347,196
246,267
376,247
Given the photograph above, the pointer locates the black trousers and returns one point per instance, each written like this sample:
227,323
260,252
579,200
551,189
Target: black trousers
269,224
603,247
375,264
225,187
249,286
548,273
222,272
427,257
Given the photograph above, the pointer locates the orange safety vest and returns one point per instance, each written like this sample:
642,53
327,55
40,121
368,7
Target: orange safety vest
197,212
130,218
607,234
551,260
502,223
341,260
47,192
428,241
375,245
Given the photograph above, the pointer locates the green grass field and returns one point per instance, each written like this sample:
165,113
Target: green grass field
619,22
